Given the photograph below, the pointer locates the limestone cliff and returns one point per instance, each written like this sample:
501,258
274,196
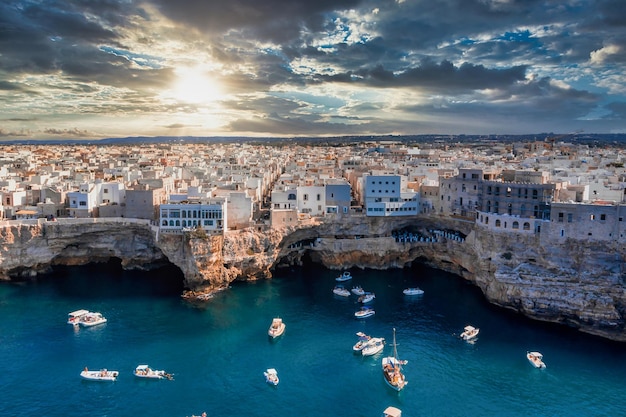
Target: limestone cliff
573,282
30,249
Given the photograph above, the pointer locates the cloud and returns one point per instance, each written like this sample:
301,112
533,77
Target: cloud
608,54
74,132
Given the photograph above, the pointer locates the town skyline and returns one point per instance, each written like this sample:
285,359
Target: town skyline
302,69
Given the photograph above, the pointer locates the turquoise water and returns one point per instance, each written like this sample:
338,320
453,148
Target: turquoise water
218,351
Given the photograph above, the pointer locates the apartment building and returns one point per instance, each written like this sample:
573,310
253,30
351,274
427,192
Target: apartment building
384,196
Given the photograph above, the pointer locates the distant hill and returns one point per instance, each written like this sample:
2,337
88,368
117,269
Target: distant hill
617,139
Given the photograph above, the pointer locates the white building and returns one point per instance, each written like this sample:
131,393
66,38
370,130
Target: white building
210,216
384,197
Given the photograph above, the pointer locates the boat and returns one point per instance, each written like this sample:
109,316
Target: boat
392,368
360,344
358,290
101,375
276,328
364,312
413,291
392,412
91,319
339,290
74,317
469,333
144,371
536,359
271,376
368,297
375,345
346,276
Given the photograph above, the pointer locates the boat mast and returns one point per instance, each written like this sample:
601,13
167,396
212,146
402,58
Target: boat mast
395,350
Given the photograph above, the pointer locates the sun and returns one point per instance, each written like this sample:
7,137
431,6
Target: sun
195,85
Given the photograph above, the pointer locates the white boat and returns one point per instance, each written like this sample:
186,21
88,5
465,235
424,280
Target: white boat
74,317
368,297
339,290
358,290
469,333
413,291
536,359
101,375
392,412
375,345
91,319
144,371
346,276
392,368
364,312
360,344
276,328
271,376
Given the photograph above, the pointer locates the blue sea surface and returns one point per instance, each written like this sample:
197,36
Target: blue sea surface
218,350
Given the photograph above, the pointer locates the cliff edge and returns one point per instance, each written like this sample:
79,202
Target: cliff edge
572,282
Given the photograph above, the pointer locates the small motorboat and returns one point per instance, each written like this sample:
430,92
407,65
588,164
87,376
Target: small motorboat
144,371
358,290
374,346
536,359
341,291
277,327
74,317
392,412
364,312
91,319
101,375
469,333
413,291
271,376
368,297
346,276
361,343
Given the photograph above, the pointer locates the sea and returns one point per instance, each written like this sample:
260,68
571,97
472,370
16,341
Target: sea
218,350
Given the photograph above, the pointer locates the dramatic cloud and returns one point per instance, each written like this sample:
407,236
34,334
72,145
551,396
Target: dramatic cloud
300,67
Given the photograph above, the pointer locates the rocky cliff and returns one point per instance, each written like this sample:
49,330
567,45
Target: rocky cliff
576,283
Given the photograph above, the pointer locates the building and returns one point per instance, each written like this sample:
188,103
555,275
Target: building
384,197
210,216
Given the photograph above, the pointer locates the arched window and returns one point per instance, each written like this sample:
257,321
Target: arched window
164,223
526,226
498,223
515,225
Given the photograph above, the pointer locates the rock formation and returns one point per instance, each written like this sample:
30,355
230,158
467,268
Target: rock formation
573,282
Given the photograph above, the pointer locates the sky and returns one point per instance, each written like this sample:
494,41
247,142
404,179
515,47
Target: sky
93,69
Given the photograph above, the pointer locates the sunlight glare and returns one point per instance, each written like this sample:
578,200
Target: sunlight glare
195,85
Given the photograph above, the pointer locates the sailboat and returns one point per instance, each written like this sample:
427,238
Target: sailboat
392,368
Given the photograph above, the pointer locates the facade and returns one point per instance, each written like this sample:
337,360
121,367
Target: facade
338,197
142,202
384,197
311,200
210,216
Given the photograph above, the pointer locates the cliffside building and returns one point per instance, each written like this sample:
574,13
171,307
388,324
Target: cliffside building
384,196
210,216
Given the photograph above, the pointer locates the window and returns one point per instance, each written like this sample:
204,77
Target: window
105,191
515,225
603,217
569,217
305,197
498,223
82,203
560,218
526,226
319,197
